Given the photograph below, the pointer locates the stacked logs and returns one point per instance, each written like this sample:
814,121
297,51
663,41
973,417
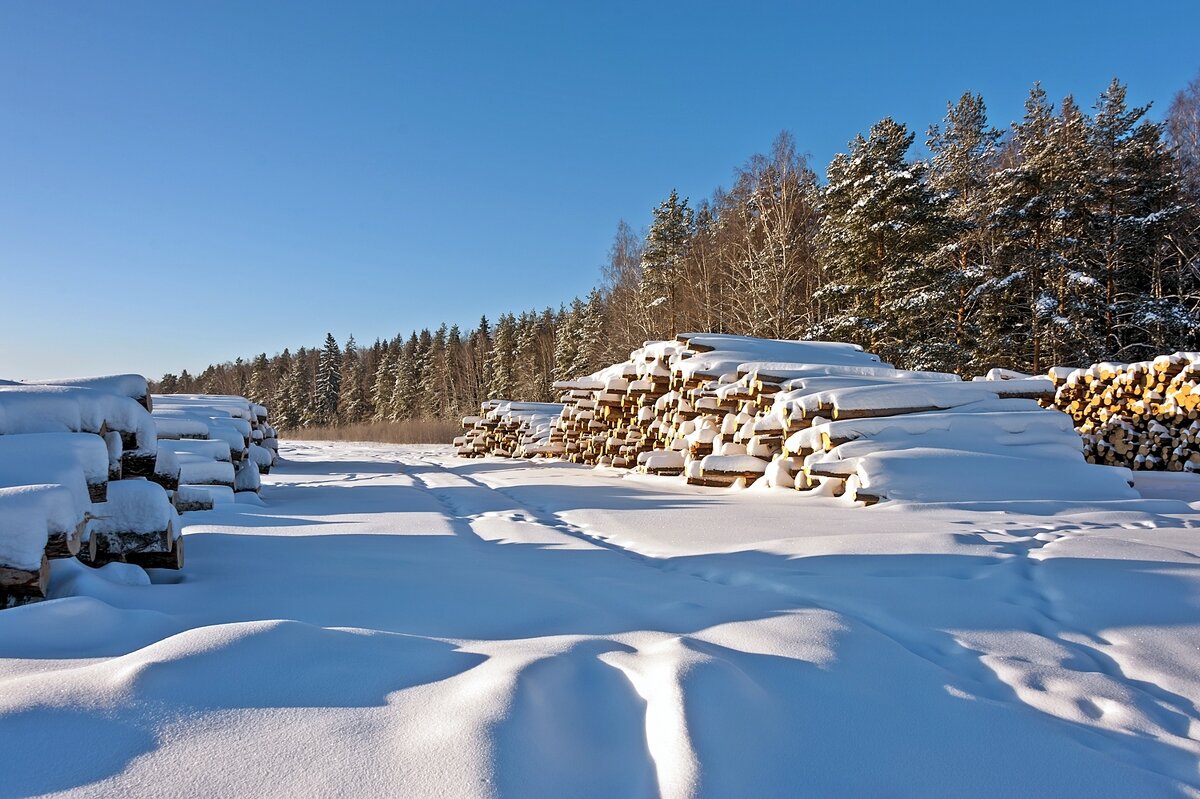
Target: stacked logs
70,451
729,410
1143,416
223,444
87,472
510,429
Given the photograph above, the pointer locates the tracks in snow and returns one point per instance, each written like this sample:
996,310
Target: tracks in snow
1014,571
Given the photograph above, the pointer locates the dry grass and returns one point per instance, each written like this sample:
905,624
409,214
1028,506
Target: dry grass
412,432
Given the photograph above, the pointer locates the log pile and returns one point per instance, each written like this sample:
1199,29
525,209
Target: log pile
219,440
1143,416
98,469
509,429
822,417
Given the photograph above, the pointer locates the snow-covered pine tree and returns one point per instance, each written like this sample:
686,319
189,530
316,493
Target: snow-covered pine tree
1011,302
479,363
424,352
665,248
459,403
208,381
353,404
437,382
260,389
240,378
534,358
406,398
281,365
329,382
383,387
594,340
964,151
288,411
1073,304
1137,201
880,227
568,340
501,362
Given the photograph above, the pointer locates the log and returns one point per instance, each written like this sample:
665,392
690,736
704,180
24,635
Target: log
25,583
866,497
875,413
712,481
66,545
119,546
159,560
138,464
98,492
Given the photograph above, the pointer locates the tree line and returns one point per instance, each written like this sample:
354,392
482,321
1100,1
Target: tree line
1068,238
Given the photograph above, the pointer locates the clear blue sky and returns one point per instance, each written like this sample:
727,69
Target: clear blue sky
187,182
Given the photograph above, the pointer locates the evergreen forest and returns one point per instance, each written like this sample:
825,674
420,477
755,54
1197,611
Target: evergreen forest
1068,237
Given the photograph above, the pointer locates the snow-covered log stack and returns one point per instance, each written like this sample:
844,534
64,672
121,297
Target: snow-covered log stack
510,429
62,450
223,443
30,515
138,524
729,410
97,468
1144,415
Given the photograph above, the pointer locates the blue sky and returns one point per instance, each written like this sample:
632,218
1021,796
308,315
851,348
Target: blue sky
187,182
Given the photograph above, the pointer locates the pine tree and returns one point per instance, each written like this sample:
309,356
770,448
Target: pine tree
880,229
406,399
309,361
594,342
353,405
383,387
662,258
287,413
329,382
501,364
964,153
260,389
479,366
568,340
459,403
1138,193
437,383
1072,301
1012,303
525,367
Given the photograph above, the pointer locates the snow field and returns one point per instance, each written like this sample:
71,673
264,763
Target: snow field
494,628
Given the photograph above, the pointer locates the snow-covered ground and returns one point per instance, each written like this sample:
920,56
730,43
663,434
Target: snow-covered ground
394,622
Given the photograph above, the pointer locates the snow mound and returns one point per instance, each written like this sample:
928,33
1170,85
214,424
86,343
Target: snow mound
923,474
134,506
129,385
